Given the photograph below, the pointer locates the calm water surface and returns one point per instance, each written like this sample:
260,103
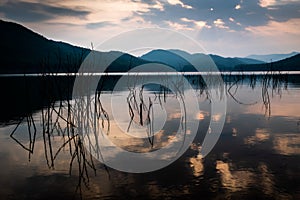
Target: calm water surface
256,157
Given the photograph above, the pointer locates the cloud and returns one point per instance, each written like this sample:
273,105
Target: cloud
277,28
197,24
245,23
34,12
178,26
245,12
238,6
178,2
75,11
124,13
272,3
188,24
267,3
232,20
219,23
273,37
158,5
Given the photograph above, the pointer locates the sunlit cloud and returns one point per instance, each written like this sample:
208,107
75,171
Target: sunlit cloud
234,21
267,3
99,11
84,21
219,23
158,5
104,20
198,24
178,2
238,6
271,3
274,28
178,26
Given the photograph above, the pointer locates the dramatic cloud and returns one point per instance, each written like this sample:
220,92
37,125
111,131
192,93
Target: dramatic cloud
34,12
244,23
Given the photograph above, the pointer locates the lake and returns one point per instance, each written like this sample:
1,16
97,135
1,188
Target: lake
51,139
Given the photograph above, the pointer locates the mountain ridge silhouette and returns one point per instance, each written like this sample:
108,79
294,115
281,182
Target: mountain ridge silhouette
24,51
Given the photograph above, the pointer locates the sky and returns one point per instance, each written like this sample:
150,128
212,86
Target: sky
225,27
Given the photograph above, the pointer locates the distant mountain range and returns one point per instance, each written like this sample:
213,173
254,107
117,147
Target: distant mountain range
24,51
288,64
272,57
179,60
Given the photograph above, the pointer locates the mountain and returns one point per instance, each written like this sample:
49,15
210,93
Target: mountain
272,57
166,57
124,63
288,64
24,51
230,63
180,60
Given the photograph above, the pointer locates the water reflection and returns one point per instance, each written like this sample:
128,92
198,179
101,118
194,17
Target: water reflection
257,155
287,144
236,180
261,135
